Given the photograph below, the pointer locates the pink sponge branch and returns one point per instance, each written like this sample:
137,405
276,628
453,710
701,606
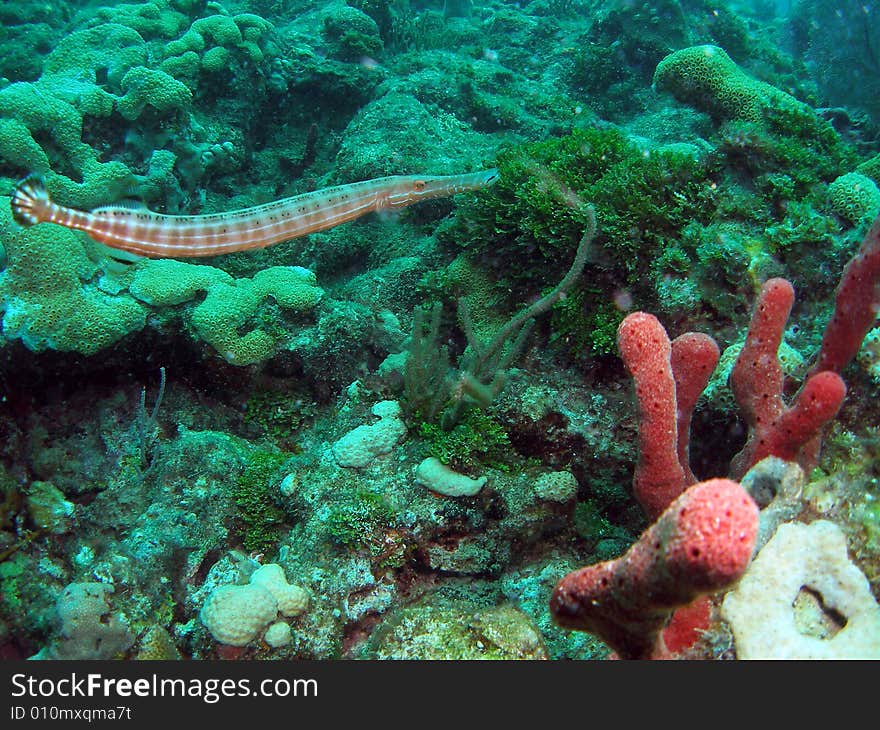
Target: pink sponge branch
669,378
694,357
646,351
817,404
856,306
757,376
701,543
793,432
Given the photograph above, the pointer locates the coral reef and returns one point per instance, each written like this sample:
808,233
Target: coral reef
455,430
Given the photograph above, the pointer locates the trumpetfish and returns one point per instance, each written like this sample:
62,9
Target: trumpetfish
139,231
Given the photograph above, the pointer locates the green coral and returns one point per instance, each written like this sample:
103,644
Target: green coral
215,44
764,129
708,79
603,322
97,74
801,226
49,299
108,49
145,87
705,268
228,308
149,19
870,522
234,316
41,127
89,77
606,540
532,215
671,272
166,282
54,298
222,29
467,281
28,115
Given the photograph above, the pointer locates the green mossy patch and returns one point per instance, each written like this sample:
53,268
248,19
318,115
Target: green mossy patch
260,514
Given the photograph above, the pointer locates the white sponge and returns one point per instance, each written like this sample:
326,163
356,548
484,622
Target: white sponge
436,476
278,634
291,599
802,598
360,446
236,615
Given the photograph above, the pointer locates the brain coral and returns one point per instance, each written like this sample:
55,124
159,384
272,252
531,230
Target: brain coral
854,197
707,78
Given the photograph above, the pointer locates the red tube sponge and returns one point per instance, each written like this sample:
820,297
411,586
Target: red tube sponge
669,377
856,305
789,432
702,543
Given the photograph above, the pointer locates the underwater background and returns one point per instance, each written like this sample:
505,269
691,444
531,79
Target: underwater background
394,437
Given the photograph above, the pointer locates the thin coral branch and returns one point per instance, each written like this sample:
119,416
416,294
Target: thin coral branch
147,427
482,370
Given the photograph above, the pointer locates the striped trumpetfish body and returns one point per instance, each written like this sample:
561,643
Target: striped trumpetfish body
142,232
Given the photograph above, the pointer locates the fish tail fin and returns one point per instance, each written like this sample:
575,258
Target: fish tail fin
30,201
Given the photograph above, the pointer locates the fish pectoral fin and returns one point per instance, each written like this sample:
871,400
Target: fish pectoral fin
117,260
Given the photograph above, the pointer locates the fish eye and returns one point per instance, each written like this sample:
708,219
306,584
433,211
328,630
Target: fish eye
419,185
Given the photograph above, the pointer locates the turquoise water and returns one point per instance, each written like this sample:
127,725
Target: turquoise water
393,437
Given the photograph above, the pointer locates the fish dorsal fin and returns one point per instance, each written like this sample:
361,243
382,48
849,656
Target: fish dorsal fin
134,205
